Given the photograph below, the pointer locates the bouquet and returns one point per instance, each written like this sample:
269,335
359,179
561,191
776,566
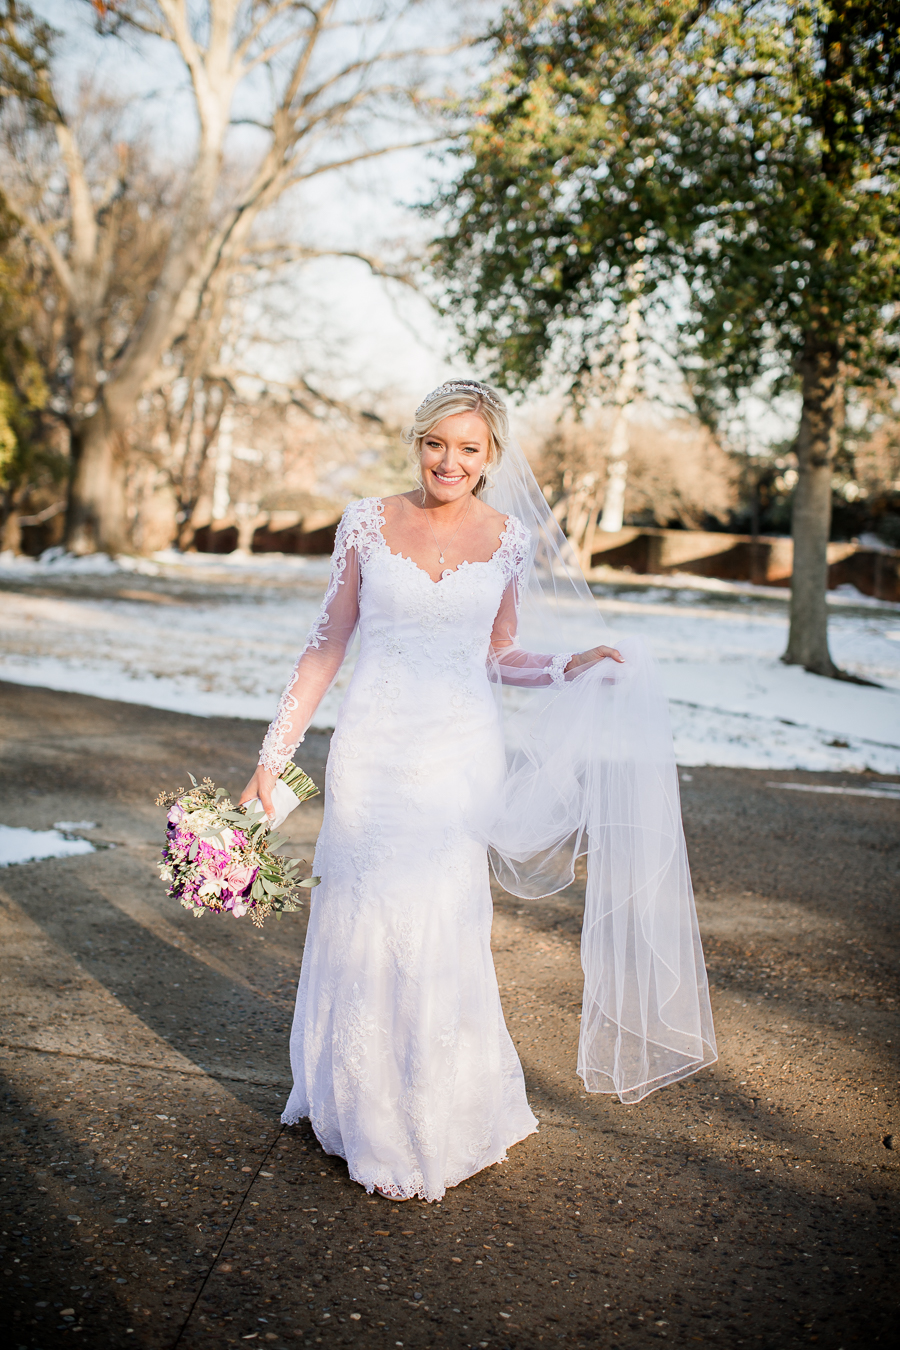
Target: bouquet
220,857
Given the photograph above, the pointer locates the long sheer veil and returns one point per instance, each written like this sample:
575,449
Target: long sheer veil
591,770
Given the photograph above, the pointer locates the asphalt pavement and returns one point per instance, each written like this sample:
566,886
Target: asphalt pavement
151,1198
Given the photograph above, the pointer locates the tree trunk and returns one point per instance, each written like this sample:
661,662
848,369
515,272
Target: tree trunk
820,424
614,501
613,516
95,519
221,502
10,527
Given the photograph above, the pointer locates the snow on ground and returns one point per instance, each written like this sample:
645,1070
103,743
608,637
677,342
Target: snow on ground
21,845
218,636
734,703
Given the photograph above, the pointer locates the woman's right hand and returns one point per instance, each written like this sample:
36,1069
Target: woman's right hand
261,785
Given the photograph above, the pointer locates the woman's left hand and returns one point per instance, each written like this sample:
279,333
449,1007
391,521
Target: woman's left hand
590,658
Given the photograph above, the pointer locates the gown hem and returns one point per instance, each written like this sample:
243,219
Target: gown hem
416,1188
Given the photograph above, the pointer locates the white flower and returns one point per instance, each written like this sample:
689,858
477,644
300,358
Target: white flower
200,821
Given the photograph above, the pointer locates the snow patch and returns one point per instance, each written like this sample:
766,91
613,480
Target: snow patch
19,845
889,790
230,653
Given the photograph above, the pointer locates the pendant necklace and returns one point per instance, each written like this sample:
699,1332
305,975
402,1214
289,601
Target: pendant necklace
453,536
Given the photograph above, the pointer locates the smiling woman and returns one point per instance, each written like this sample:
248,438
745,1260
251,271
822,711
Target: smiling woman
400,1053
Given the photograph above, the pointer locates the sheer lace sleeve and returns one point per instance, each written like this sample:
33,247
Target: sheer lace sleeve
532,670
328,639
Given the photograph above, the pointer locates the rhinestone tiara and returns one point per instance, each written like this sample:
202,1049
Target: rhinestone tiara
453,385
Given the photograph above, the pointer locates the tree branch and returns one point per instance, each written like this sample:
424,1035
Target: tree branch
42,236
258,28
363,155
285,254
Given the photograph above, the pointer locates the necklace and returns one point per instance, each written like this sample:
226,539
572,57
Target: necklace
453,536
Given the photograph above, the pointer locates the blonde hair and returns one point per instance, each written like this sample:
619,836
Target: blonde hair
462,396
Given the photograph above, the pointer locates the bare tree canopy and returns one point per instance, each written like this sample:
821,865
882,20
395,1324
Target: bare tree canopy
145,261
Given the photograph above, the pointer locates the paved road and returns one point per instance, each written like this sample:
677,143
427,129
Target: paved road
151,1198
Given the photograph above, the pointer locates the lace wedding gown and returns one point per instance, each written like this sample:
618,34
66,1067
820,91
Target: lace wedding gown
400,1054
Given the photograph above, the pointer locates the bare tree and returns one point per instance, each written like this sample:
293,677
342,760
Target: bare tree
337,85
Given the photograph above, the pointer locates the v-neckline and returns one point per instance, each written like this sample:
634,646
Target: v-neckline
448,572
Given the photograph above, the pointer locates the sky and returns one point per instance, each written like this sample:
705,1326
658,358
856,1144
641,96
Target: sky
341,320
367,340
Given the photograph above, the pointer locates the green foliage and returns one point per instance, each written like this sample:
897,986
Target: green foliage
28,457
26,43
23,391
748,152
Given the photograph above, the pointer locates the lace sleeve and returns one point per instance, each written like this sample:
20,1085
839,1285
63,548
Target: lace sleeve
530,670
326,643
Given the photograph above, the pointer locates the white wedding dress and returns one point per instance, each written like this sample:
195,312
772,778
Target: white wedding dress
400,1054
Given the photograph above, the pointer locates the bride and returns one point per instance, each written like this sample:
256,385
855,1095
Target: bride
400,1054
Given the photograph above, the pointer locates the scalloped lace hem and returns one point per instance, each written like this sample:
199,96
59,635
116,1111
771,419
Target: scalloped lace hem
415,1187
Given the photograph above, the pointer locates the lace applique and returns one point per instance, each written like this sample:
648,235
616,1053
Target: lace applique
355,1029
557,669
359,528
274,754
515,550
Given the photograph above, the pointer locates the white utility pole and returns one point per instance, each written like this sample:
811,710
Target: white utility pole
617,472
222,482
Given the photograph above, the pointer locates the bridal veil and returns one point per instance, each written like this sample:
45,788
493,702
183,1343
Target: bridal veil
591,770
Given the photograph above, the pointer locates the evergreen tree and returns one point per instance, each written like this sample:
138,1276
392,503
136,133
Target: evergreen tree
749,154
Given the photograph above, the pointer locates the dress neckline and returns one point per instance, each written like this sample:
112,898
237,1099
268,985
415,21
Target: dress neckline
449,571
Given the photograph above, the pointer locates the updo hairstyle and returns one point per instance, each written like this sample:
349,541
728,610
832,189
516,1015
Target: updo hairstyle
462,396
